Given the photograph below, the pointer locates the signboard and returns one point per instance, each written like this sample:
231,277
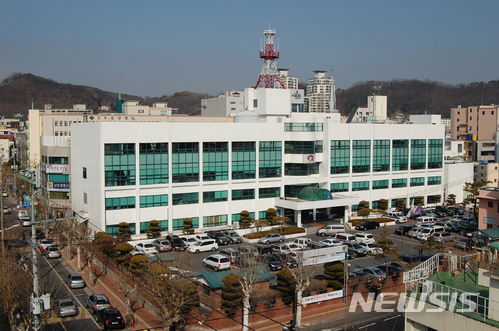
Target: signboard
489,220
321,255
308,158
322,297
54,186
55,168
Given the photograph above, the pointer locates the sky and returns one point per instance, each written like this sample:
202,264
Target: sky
159,47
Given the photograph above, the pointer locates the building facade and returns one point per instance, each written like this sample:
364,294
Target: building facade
480,121
210,172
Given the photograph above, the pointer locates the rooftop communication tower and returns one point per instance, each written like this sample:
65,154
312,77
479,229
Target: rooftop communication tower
269,76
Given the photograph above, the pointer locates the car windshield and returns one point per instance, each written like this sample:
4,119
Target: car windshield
101,301
66,304
357,245
76,278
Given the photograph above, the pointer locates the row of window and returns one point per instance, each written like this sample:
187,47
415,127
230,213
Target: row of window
384,184
430,199
178,224
62,133
190,198
358,156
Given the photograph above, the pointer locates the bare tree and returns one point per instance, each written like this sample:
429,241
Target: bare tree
126,289
14,288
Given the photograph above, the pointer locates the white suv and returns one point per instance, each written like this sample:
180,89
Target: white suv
364,238
146,248
204,246
217,262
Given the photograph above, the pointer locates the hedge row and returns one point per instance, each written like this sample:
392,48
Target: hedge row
286,231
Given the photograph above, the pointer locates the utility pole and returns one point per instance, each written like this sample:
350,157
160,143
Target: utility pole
35,300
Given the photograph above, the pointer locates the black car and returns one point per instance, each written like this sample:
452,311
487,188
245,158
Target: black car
402,230
414,258
177,243
367,225
264,250
287,260
273,262
111,319
390,270
220,238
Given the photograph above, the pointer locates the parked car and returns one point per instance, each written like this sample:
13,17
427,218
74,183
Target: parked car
357,248
110,319
5,194
367,225
52,252
75,281
403,230
364,238
178,244
7,210
390,270
285,248
316,245
97,302
217,262
287,260
332,242
444,237
249,251
264,250
231,253
462,243
189,240
371,248
302,242
220,238
454,227
330,229
271,238
373,273
400,219
162,245
66,307
345,237
203,246
233,236
414,258
146,248
273,262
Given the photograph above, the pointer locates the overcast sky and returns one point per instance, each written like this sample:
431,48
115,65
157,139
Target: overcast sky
157,47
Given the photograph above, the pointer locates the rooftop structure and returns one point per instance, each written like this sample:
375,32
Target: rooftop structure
269,76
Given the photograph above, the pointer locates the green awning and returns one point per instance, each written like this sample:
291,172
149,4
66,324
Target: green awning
495,245
314,194
493,233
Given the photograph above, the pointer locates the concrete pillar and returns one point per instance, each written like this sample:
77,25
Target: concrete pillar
298,218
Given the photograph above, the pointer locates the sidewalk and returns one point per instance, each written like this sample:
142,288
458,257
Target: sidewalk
105,285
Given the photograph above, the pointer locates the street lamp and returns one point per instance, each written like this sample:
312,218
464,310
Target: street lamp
36,293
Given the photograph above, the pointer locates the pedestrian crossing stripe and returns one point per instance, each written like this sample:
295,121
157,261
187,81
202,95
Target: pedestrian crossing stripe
82,314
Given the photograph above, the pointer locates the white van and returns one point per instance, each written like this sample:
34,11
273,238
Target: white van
394,214
425,219
427,232
330,229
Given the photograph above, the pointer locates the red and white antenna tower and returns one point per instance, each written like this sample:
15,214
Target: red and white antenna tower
269,76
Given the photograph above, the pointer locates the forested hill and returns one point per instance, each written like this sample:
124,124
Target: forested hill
18,91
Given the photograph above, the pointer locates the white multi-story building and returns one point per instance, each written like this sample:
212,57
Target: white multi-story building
270,157
320,93
228,104
289,82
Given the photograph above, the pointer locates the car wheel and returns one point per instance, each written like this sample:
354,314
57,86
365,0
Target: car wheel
377,227
267,242
204,264
281,240
323,234
213,249
197,251
397,222
216,269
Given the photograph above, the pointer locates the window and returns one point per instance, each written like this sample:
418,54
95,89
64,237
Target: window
84,172
243,160
418,181
435,153
490,204
185,198
185,162
361,156
299,147
340,156
303,127
119,164
120,203
215,196
153,160
56,123
246,194
215,161
178,223
381,155
418,154
153,200
58,178
58,160
380,184
269,192
255,103
399,183
85,198
217,220
435,180
400,151
360,186
144,226
339,187
270,154
300,169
